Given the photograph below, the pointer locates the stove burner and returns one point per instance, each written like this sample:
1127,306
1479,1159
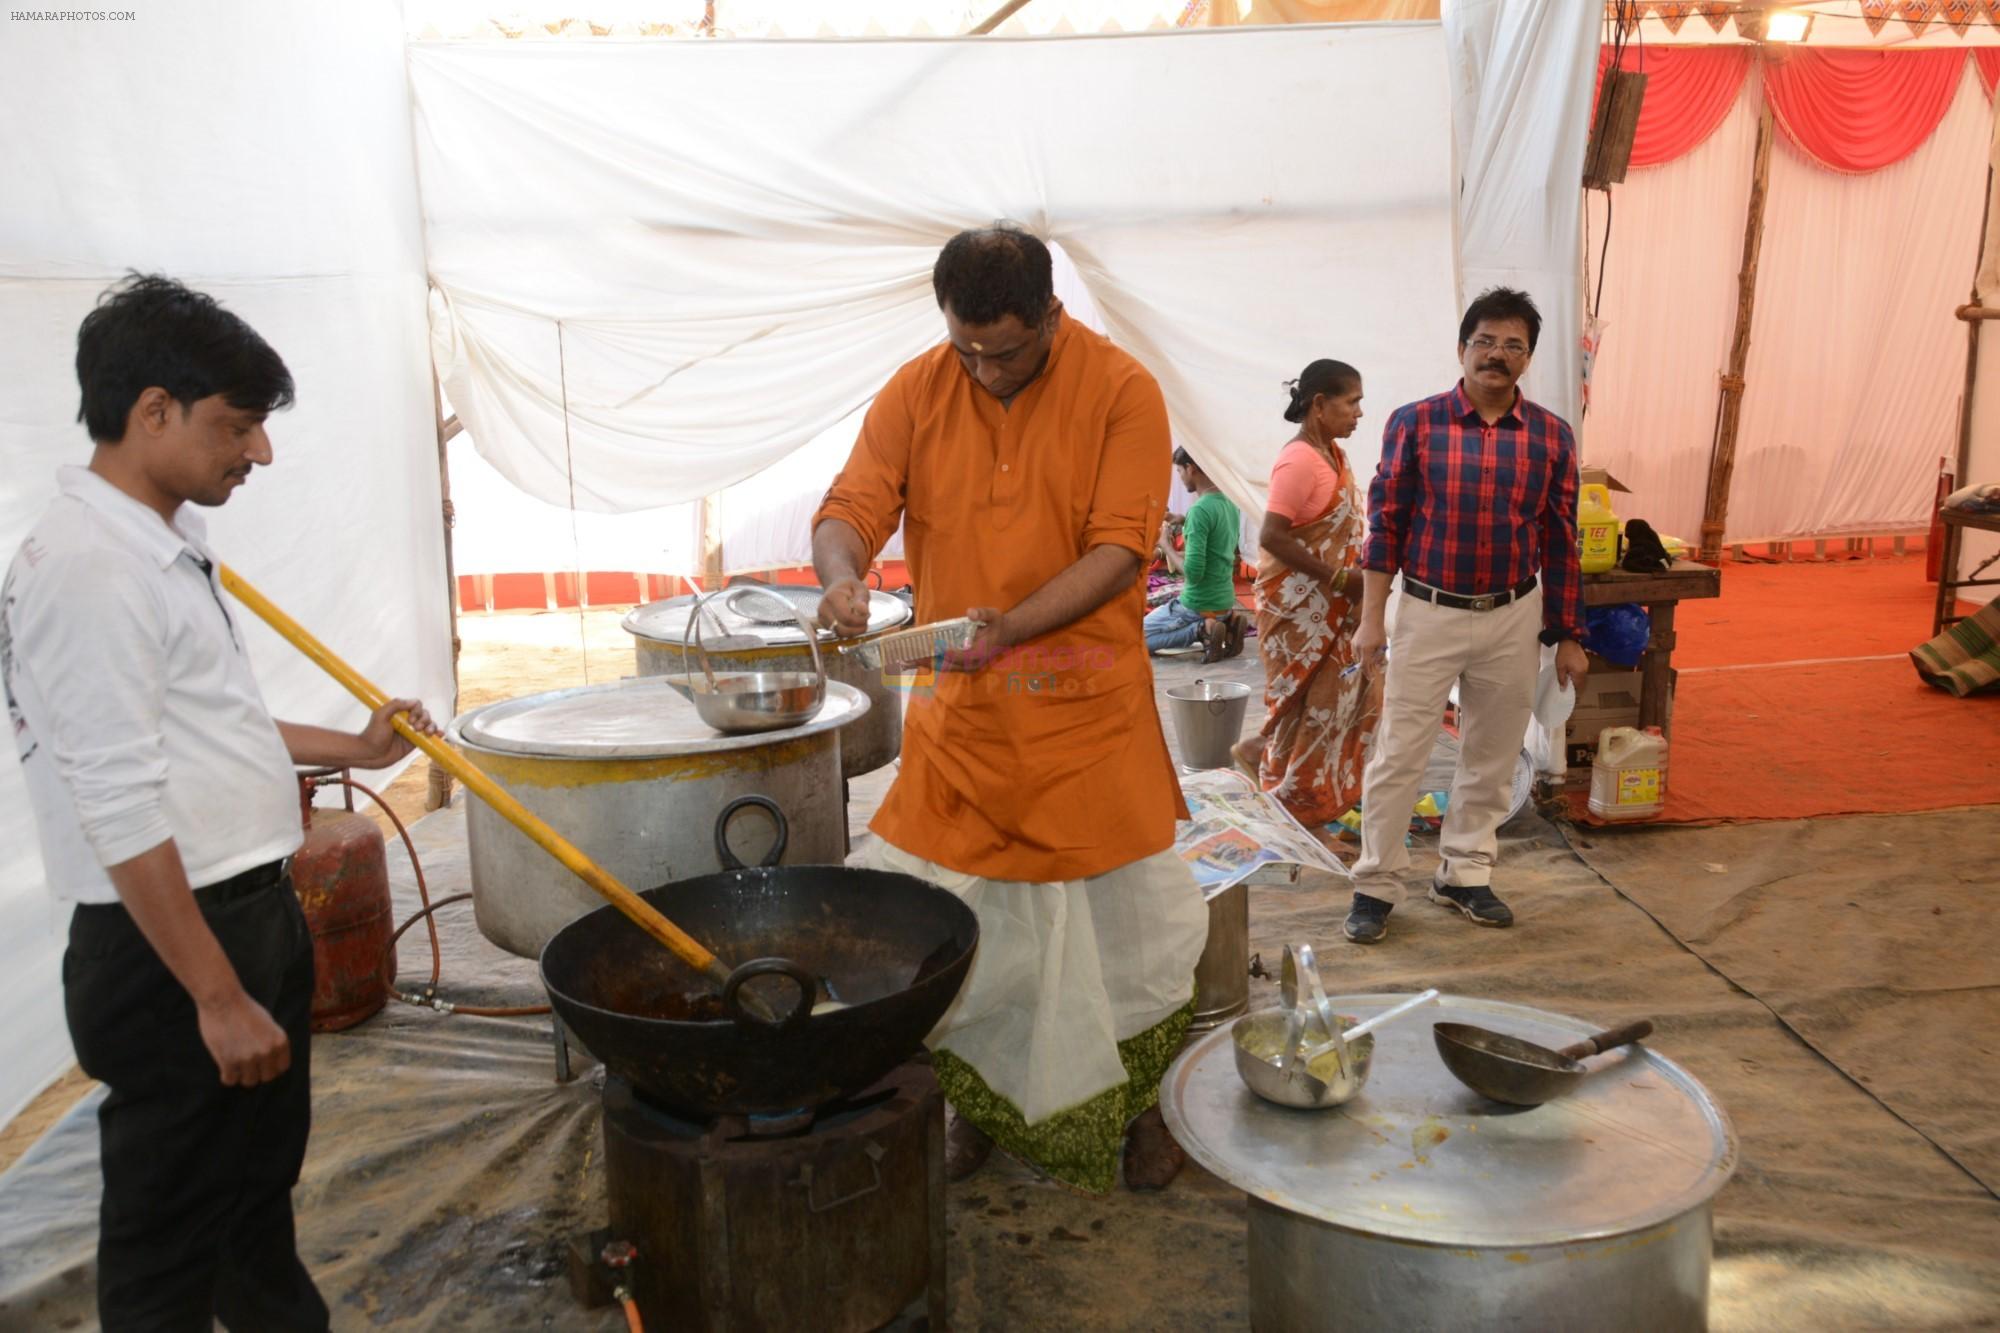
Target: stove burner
624,1098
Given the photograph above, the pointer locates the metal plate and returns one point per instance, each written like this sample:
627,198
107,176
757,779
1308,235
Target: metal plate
1420,1157
667,621
643,718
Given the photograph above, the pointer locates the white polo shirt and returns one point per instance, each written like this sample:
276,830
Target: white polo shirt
132,703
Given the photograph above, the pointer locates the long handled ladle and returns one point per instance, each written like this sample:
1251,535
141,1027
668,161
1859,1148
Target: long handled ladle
684,946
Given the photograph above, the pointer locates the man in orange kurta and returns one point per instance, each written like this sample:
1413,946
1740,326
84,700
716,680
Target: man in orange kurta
1027,458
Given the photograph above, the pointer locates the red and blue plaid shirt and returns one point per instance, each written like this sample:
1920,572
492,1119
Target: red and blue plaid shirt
1474,508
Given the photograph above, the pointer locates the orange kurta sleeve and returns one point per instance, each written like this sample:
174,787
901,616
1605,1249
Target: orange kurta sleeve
1131,492
870,491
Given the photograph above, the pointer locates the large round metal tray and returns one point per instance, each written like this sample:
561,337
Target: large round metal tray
645,718
1420,1157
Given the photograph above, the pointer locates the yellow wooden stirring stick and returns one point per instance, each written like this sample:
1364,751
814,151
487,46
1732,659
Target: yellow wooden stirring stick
684,946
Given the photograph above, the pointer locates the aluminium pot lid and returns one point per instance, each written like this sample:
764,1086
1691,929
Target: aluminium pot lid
1419,1157
639,718
667,622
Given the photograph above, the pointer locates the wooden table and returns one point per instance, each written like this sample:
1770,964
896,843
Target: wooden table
1956,521
1659,594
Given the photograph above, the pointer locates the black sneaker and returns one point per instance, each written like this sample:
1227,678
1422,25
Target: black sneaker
1368,921
1478,904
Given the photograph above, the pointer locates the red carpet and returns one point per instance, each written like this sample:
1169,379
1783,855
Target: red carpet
1797,698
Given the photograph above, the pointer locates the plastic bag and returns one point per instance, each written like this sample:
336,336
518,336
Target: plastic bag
1618,634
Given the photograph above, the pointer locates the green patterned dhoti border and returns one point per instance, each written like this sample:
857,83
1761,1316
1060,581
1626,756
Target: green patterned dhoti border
1079,1146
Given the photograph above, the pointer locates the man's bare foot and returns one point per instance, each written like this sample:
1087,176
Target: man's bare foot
1152,1158
966,1148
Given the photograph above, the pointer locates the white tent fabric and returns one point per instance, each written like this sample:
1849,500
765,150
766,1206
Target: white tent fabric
1522,74
729,286
263,154
502,530
1669,312
1856,364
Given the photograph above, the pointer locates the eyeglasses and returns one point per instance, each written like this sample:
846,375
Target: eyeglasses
1513,347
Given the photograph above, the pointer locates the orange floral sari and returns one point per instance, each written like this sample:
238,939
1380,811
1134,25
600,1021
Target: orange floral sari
1321,716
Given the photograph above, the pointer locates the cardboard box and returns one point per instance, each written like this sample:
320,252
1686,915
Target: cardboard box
1609,698
1597,476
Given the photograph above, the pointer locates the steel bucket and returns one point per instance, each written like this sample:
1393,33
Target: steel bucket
1208,718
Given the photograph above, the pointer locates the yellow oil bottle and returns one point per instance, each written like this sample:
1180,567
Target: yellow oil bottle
1628,779
1597,530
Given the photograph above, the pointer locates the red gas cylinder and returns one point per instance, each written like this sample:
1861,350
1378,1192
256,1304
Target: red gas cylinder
341,874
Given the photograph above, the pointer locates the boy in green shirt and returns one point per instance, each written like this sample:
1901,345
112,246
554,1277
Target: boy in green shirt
1205,612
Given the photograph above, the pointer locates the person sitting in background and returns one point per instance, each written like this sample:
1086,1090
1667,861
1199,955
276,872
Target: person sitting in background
1205,612
1167,550
1310,751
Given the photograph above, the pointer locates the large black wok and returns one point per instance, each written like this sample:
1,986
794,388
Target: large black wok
891,948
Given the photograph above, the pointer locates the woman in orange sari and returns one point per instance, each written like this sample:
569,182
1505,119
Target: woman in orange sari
1321,710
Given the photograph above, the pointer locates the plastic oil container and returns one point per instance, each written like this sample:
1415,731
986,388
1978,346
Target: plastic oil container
1597,530
1628,780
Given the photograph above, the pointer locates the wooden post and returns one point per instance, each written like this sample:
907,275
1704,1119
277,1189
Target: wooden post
997,17
1722,464
1973,320
438,794
711,542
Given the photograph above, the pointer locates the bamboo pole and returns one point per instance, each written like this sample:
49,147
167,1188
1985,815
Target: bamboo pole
997,17
1722,464
1973,314
709,537
437,794
642,914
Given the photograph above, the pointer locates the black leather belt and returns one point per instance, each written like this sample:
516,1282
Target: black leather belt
254,880
1491,602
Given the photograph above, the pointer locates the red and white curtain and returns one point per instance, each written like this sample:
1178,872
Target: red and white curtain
1871,234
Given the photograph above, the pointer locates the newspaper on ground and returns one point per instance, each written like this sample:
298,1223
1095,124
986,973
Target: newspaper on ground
1233,828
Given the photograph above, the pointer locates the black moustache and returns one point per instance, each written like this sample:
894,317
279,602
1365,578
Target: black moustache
1494,365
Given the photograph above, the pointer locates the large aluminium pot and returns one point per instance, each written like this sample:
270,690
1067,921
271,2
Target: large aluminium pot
741,637
631,775
1421,1205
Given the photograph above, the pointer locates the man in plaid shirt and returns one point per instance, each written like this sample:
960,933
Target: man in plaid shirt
1474,498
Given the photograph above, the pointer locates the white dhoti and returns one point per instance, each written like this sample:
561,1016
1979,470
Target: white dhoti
1076,1002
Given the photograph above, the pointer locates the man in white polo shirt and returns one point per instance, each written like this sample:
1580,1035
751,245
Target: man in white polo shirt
167,806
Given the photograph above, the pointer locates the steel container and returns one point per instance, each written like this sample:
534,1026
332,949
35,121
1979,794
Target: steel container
631,775
737,641
1222,975
1421,1205
1208,720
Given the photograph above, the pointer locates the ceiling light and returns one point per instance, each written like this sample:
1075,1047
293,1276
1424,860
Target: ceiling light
1786,25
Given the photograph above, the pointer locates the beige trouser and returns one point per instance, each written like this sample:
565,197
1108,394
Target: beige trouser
1494,657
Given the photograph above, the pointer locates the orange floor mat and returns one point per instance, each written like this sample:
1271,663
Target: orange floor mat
1796,699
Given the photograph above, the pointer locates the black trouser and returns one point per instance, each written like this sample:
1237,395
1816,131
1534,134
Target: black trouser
196,1223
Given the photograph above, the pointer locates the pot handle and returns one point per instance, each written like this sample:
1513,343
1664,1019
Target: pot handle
1604,1041
728,858
694,622
732,999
